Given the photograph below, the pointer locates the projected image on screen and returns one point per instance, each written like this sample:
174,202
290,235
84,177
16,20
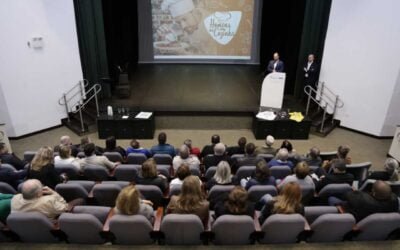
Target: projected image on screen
202,29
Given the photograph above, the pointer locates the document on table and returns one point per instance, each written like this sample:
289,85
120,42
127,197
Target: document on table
144,115
266,115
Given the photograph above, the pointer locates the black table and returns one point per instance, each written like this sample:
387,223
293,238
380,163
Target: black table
281,129
130,128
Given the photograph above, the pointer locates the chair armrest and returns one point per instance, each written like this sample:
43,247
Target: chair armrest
341,209
158,218
257,225
106,226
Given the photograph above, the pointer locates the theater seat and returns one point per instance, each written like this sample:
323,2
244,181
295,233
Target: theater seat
71,191
175,190
282,228
334,190
163,159
256,192
81,228
70,170
106,194
233,230
377,226
210,173
131,230
280,172
312,213
245,171
6,188
113,156
28,155
182,229
266,157
152,193
95,173
331,227
136,158
126,172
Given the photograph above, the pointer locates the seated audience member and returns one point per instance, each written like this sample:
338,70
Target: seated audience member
36,198
209,149
218,156
149,175
5,206
65,157
42,168
235,203
129,203
182,172
342,154
65,140
185,157
262,176
250,158
190,201
267,149
288,145
300,176
111,146
135,148
338,176
390,171
86,140
281,159
193,150
313,159
12,177
222,176
163,147
10,158
287,202
381,200
239,149
98,160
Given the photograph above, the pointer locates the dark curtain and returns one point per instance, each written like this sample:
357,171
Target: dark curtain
92,44
315,26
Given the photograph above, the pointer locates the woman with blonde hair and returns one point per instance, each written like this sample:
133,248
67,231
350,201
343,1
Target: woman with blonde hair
191,200
223,176
287,202
42,168
129,203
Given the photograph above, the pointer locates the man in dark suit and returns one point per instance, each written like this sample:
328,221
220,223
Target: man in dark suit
239,149
209,149
250,158
275,65
10,158
339,175
310,70
219,155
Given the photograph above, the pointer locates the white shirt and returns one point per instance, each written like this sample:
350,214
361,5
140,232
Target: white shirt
71,160
275,63
308,181
192,161
309,65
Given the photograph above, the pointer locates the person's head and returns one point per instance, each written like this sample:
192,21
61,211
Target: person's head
242,142
128,200
111,143
215,139
286,144
237,200
338,166
31,189
65,140
3,148
184,12
149,169
162,138
184,152
135,144
183,171
262,171
43,157
89,149
392,167
269,140
282,154
276,56
250,148
223,173
302,170
381,190
311,57
85,140
188,143
219,149
190,21
343,151
65,152
314,153
191,196
289,199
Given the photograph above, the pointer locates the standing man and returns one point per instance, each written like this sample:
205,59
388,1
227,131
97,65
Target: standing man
310,72
275,65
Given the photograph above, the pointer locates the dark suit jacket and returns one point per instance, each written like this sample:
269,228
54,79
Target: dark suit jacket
14,178
280,67
213,160
13,160
47,176
248,160
207,150
379,175
235,150
310,75
335,179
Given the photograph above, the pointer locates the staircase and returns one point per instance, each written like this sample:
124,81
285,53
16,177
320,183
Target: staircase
81,107
322,106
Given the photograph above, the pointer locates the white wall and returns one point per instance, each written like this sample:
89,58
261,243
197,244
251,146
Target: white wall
32,80
361,62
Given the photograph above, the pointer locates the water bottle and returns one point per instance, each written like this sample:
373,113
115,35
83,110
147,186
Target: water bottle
110,111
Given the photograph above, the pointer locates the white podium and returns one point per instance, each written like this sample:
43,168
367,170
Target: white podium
395,148
272,90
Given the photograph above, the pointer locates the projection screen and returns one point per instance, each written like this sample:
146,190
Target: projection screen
215,31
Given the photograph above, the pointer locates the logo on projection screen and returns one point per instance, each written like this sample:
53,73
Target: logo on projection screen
222,26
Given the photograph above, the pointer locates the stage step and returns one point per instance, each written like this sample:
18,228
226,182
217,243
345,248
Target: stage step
329,124
89,115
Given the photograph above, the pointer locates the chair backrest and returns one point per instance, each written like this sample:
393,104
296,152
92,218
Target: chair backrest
136,158
331,227
175,190
327,156
6,188
359,170
311,213
245,171
367,186
210,173
8,166
152,193
87,185
164,170
95,173
182,229
377,226
113,156
100,212
274,226
313,169
31,227
81,155
235,156
266,157
81,228
218,190
233,230
71,191
131,229
194,170
256,192
106,194
69,169
163,159
280,172
28,155
334,190
126,172
395,185
122,184
307,193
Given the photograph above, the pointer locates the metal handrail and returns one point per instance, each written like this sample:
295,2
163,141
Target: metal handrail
324,87
79,84
96,88
310,91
